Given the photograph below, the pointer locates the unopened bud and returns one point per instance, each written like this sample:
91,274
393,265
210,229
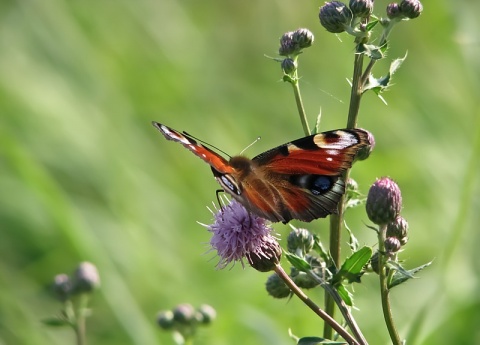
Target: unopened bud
300,239
267,257
86,278
398,229
384,201
276,287
411,8
361,8
335,16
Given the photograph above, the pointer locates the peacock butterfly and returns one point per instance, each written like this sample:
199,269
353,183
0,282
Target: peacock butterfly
297,180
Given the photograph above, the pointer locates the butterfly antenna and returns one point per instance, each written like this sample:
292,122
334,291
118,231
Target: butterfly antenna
206,144
253,143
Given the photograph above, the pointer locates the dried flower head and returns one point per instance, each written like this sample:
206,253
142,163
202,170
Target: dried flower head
237,234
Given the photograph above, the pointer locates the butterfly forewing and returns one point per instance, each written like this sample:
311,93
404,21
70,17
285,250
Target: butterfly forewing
328,153
209,156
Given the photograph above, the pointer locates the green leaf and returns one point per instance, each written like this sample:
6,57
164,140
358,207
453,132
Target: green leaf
352,241
371,25
345,295
395,65
318,247
378,85
299,263
318,340
372,51
401,275
352,268
55,322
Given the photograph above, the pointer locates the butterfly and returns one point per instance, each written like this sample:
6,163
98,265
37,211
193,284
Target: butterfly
300,180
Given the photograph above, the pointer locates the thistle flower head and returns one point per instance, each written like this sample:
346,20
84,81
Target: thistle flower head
238,234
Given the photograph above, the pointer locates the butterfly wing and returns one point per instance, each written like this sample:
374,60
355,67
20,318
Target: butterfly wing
302,179
211,157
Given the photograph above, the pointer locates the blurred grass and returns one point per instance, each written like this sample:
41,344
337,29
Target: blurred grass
84,176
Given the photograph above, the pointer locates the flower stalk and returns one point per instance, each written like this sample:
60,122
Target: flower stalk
384,290
316,309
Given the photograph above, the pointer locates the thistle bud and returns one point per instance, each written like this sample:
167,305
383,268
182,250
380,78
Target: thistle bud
165,319
289,66
398,229
62,287
366,150
86,278
361,8
287,45
304,281
300,239
384,201
393,11
392,245
335,16
411,8
208,314
276,287
267,257
302,38
184,313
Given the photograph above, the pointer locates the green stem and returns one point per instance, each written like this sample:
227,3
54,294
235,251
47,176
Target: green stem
299,102
384,291
80,322
336,220
347,315
316,309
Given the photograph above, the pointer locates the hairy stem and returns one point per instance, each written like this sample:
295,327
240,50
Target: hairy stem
347,315
316,309
299,102
384,290
336,220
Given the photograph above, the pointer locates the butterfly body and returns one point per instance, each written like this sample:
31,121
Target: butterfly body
297,180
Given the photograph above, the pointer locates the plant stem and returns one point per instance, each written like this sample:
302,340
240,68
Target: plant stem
384,291
299,102
80,322
336,220
305,299
342,306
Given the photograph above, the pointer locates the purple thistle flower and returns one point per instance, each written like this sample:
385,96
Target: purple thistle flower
238,233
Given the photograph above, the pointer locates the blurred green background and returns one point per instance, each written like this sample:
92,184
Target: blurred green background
84,175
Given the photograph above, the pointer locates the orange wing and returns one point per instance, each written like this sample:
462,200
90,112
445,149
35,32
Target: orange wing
209,156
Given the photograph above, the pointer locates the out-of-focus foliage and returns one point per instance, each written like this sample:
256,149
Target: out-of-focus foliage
85,177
